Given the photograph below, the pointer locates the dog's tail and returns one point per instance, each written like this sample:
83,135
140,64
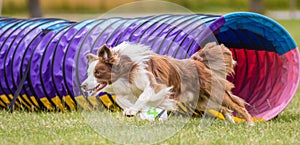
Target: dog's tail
218,58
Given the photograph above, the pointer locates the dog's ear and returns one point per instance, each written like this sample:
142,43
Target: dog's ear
91,57
105,53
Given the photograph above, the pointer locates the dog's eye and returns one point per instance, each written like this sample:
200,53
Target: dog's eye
97,73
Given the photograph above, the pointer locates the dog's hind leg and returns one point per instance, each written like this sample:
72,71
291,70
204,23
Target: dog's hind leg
211,101
237,106
204,104
227,114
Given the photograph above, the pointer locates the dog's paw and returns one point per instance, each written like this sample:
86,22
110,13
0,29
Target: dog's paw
251,123
229,118
129,112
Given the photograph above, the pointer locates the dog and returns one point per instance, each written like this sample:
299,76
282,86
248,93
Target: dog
140,78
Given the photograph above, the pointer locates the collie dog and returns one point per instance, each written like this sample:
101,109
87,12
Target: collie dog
141,78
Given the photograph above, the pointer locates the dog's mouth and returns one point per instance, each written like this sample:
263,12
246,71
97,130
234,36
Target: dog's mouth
98,88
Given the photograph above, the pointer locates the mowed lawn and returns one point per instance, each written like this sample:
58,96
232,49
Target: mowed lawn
71,127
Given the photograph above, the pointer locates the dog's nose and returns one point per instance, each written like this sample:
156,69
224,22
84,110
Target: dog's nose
84,86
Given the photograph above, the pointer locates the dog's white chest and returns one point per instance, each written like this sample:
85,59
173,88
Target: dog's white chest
123,87
141,79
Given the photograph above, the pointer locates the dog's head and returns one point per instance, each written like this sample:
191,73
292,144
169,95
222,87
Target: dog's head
104,69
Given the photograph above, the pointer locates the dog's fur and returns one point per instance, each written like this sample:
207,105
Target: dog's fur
142,78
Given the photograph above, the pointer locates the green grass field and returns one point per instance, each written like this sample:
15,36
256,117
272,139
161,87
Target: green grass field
17,7
71,127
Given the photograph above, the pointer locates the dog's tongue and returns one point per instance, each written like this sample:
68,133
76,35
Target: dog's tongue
99,88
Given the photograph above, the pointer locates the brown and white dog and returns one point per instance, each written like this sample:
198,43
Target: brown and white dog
141,78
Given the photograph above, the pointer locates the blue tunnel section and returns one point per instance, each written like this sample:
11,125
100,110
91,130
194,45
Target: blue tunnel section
46,57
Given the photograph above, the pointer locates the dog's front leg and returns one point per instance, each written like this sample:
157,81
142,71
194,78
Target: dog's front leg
125,101
151,98
140,103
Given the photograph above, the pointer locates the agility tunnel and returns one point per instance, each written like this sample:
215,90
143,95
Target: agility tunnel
43,60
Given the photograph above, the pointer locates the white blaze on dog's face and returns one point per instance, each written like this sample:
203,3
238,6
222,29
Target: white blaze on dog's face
99,71
90,83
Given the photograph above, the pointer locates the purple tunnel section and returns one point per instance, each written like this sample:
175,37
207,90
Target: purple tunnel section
173,35
54,50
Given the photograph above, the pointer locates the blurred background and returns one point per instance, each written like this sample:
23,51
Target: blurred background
86,9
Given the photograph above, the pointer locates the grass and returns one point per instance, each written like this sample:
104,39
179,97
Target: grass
292,27
79,127
95,6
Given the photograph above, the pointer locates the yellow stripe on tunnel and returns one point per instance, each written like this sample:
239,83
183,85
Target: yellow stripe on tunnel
47,104
106,101
2,104
5,99
56,100
94,102
70,102
32,107
17,103
34,101
182,107
83,103
110,103
24,103
236,119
